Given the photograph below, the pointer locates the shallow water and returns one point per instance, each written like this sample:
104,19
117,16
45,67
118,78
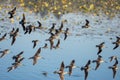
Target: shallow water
80,45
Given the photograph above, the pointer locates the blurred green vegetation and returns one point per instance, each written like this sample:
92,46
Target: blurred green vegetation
59,7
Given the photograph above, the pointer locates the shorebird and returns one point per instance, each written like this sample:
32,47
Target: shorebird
71,66
66,33
87,24
35,43
3,37
61,71
29,29
15,65
57,45
98,61
86,69
4,52
12,12
23,22
114,67
51,40
112,58
15,34
36,56
18,56
52,28
100,46
117,43
39,25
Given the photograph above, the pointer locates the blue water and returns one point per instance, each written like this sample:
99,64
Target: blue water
81,48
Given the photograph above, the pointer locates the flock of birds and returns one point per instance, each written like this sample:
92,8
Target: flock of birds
54,34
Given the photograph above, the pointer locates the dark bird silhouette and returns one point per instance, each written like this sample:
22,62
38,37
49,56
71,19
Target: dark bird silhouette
3,37
36,56
100,46
57,45
98,61
15,34
66,33
52,28
71,66
12,12
112,58
18,56
114,67
35,43
45,46
29,29
4,52
39,25
117,43
61,71
23,22
15,65
86,24
86,69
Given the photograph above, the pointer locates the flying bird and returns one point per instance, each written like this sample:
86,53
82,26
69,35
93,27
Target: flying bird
61,71
100,46
23,22
86,24
18,56
98,61
35,43
52,28
117,43
3,37
36,56
112,58
114,67
86,69
4,52
15,34
12,12
71,66
15,65
66,33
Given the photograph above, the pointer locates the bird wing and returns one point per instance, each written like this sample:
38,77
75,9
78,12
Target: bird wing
39,23
88,63
13,40
114,72
34,60
65,34
58,43
116,45
97,65
2,55
99,50
86,74
61,76
38,52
